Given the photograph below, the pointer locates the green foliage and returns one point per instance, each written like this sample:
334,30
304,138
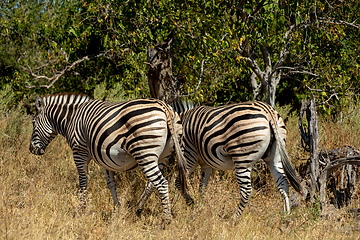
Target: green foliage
44,38
117,94
114,94
100,91
284,111
314,210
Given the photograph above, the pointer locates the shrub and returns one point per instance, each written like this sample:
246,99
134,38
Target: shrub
15,126
6,99
115,94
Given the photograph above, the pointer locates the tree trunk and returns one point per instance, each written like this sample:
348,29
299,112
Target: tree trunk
162,84
267,79
311,140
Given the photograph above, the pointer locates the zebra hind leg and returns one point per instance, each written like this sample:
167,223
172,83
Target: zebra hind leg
112,186
277,171
149,188
243,179
154,175
188,199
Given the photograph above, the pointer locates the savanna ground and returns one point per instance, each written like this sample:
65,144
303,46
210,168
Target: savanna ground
39,196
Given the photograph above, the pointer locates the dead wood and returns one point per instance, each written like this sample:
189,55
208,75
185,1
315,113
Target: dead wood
320,171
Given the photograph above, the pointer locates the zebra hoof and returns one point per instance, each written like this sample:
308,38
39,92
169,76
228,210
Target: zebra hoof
116,206
190,202
166,222
138,212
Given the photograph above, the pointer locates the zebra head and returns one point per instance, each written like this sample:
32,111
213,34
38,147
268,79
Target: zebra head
43,130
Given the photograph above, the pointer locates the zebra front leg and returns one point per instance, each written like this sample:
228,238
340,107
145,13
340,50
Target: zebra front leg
149,188
112,186
81,161
242,174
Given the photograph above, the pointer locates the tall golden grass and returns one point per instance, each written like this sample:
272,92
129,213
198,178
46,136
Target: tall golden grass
39,197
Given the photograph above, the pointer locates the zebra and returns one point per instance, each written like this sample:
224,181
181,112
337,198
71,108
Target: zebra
121,136
236,136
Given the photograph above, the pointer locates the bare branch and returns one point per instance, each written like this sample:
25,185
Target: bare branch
338,22
326,101
304,84
335,164
256,69
312,90
303,133
267,59
52,80
223,37
197,87
295,71
244,15
255,86
284,52
258,8
303,72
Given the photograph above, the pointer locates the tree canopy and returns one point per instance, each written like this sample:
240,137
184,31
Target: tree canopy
223,51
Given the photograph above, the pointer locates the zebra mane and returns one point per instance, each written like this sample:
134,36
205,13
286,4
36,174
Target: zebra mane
183,105
66,98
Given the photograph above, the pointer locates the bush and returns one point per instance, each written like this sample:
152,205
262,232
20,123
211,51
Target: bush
115,94
7,97
15,126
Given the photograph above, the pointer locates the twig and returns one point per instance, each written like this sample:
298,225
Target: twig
326,101
197,87
295,71
338,22
56,77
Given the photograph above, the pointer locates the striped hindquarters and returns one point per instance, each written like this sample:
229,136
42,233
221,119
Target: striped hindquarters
114,131
221,132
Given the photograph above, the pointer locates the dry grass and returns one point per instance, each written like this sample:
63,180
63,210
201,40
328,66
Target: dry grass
39,199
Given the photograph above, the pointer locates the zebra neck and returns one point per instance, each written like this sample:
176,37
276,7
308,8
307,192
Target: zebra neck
64,118
61,110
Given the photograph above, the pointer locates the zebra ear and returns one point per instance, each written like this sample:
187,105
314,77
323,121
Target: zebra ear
39,103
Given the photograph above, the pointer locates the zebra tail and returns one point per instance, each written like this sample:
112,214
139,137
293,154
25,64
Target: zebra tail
285,160
181,165
171,116
288,168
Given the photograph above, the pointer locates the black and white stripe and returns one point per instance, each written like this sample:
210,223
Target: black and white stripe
118,136
236,137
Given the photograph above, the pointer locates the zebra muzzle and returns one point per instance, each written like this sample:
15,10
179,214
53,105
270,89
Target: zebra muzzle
36,150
